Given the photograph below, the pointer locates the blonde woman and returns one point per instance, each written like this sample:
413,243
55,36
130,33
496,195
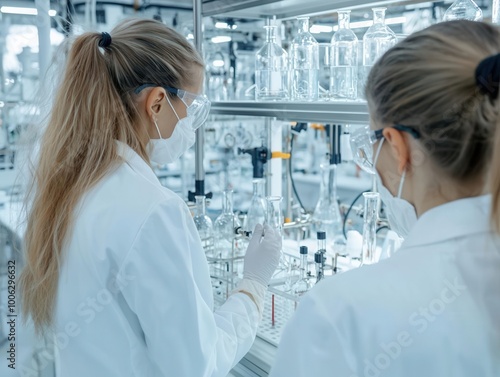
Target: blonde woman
115,271
433,308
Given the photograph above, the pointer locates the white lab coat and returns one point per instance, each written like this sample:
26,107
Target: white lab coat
433,309
134,295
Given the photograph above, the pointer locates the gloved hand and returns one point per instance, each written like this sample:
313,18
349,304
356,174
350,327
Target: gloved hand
263,255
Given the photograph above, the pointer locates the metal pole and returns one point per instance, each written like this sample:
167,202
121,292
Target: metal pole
43,24
200,141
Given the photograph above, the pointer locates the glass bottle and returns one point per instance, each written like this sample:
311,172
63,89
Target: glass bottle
377,40
344,65
257,211
224,226
372,200
463,10
271,69
204,225
326,216
303,284
304,56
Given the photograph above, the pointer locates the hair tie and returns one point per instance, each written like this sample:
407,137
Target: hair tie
105,40
488,76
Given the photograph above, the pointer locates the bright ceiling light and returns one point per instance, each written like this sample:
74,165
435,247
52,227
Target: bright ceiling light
221,39
24,11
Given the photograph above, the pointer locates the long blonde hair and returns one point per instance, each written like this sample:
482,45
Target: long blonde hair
94,106
428,82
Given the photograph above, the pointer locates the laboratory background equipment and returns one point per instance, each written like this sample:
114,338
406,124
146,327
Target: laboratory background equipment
280,141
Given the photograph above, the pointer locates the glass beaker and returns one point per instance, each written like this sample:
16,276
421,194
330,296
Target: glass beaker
326,216
376,41
257,212
344,65
463,10
204,225
271,69
368,255
304,56
224,226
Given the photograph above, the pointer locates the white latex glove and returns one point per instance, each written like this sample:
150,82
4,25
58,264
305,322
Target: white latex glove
263,255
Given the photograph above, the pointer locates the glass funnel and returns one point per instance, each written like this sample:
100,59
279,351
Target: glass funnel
257,211
204,225
304,57
368,255
344,64
271,69
463,10
326,216
224,226
377,39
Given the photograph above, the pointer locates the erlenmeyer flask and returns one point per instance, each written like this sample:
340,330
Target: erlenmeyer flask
302,285
463,10
377,39
271,69
226,222
344,64
326,216
304,56
257,211
204,225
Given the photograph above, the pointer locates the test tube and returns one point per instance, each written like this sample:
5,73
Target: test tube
368,255
318,260
321,236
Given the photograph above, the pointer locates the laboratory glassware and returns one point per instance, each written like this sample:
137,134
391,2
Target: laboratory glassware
257,212
226,244
376,41
344,65
304,56
271,69
204,225
463,10
302,285
372,202
325,61
319,261
326,216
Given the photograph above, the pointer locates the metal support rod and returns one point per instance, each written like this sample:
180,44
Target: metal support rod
200,142
289,189
43,24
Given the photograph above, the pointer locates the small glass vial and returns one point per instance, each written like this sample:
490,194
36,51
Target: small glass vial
204,225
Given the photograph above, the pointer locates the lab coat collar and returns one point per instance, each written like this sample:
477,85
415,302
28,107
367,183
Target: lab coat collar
136,162
451,220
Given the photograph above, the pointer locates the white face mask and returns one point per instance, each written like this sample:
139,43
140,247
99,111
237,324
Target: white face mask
164,151
400,213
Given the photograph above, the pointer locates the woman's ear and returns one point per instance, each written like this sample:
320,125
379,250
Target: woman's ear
399,147
155,101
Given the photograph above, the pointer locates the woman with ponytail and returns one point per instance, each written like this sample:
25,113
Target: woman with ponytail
433,308
115,272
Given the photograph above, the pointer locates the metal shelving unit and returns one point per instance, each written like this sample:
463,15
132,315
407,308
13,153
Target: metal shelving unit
321,112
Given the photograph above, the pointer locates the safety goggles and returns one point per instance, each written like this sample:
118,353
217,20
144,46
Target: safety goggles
197,105
362,141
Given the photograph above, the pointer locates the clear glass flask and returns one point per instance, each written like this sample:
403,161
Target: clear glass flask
304,56
204,225
257,212
274,217
463,10
226,245
344,65
326,216
372,200
271,69
302,285
377,39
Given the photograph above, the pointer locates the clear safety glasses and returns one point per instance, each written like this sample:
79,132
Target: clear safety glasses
362,141
198,106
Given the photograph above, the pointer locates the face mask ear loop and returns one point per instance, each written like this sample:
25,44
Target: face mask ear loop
173,108
400,190
157,129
